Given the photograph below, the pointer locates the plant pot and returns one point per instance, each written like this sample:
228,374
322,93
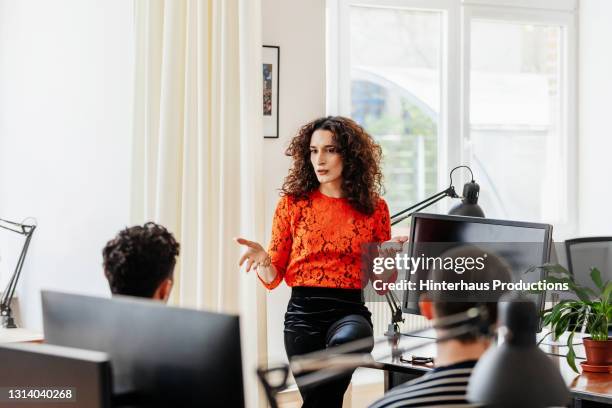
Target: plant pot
598,352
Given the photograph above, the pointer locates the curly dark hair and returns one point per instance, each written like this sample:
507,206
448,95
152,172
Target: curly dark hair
361,156
139,259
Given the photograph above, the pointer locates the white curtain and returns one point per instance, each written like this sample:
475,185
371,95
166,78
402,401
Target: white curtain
198,149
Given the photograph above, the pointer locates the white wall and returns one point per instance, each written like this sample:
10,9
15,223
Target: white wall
595,134
65,136
298,27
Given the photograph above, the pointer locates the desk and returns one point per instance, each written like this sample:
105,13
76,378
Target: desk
585,388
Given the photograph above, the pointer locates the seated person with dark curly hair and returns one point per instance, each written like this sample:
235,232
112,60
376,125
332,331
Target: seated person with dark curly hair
140,261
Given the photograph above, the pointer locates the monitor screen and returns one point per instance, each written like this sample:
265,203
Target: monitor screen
44,375
522,245
161,356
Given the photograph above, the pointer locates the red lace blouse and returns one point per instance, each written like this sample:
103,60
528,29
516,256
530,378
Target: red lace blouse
318,241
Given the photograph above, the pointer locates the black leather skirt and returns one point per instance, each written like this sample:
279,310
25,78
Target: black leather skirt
318,318
313,310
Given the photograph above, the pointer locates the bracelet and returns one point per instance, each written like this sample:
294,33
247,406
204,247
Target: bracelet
267,261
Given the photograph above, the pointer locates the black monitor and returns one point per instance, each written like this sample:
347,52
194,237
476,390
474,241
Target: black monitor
43,375
161,355
521,244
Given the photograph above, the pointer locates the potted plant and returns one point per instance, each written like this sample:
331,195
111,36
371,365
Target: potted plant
592,310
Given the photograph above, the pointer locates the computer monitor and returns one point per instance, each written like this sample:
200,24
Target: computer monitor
521,244
161,355
43,375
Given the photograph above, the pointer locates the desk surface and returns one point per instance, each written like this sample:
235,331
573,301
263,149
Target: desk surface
19,335
588,386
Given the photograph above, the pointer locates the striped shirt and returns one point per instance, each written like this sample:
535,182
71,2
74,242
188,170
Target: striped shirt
443,386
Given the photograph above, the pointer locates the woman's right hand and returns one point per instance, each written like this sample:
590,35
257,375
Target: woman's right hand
255,254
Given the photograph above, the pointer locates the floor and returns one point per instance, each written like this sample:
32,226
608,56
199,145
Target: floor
367,387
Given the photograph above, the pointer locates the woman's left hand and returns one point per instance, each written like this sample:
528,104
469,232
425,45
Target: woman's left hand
389,249
392,247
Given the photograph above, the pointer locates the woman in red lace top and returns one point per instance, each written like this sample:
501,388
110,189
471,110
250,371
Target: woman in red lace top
330,207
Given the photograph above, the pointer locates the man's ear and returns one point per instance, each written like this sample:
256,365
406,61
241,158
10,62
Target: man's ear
163,290
426,307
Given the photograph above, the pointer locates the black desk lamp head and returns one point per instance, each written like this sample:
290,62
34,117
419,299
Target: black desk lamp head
517,373
469,204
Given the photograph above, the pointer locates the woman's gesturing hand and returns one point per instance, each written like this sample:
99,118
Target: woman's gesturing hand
255,255
389,249
392,247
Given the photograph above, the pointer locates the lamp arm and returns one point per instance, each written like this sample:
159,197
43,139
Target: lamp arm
15,226
400,219
9,292
392,301
396,311
449,192
7,297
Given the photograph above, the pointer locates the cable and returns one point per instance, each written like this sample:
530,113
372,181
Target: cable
459,167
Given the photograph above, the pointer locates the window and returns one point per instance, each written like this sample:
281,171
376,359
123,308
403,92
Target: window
395,94
440,83
516,124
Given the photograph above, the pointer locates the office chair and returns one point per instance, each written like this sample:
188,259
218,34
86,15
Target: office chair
586,253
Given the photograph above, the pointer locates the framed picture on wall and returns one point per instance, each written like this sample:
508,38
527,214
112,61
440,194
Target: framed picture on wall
270,69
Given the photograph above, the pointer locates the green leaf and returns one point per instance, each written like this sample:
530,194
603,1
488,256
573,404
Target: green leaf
571,354
581,291
553,316
555,312
581,318
605,296
583,294
551,268
596,307
608,311
598,326
561,326
596,277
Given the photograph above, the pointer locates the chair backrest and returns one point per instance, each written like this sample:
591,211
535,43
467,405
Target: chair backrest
586,253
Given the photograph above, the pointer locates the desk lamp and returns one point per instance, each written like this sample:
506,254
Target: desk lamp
468,207
6,314
517,373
